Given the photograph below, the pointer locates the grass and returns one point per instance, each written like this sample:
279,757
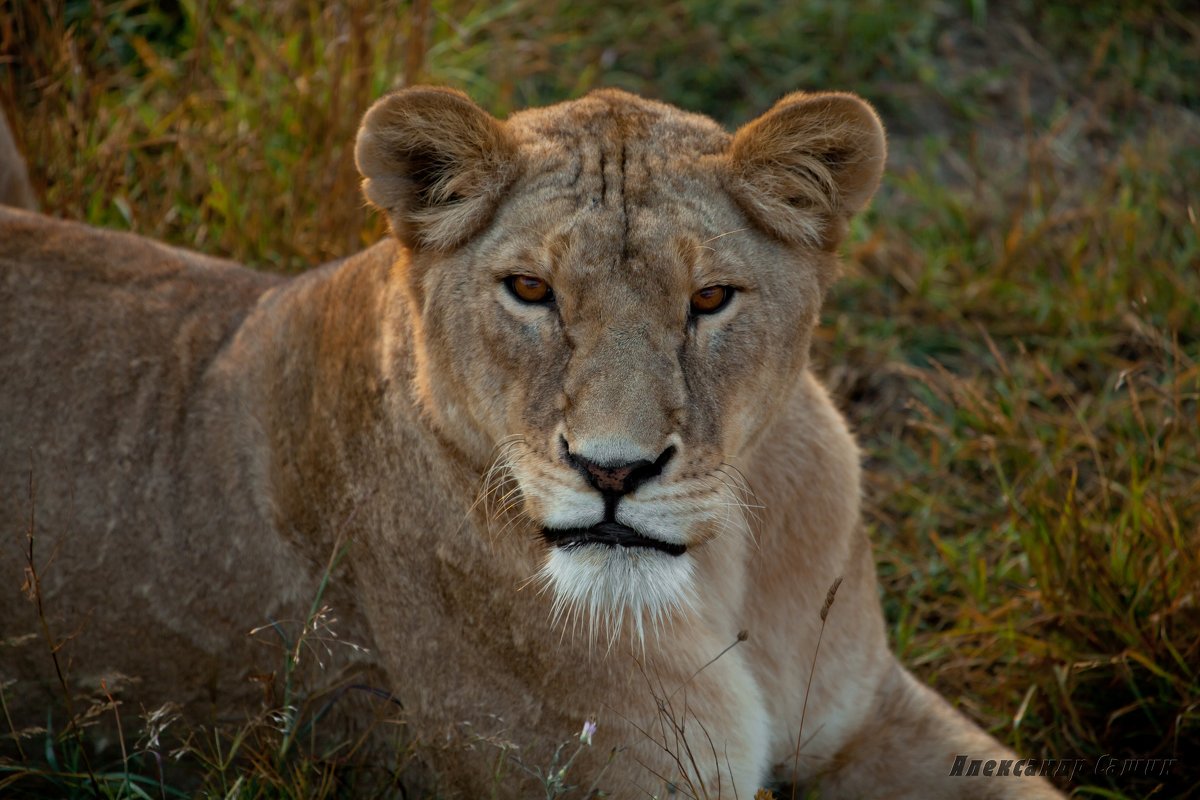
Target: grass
1017,338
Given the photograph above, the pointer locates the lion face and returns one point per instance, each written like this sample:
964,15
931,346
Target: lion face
610,299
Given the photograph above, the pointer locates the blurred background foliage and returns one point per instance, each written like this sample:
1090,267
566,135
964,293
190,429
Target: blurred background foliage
1016,339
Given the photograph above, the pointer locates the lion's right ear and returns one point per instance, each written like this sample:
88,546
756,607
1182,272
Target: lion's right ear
436,163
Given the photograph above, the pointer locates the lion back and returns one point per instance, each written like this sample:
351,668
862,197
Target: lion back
105,340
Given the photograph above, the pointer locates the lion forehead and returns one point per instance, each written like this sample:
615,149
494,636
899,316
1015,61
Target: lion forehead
613,116
611,147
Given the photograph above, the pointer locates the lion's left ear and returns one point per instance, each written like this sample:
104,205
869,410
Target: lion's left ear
436,163
809,164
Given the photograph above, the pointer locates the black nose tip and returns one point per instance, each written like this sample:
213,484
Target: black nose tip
618,479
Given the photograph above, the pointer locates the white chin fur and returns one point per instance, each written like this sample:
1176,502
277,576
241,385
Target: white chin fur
596,587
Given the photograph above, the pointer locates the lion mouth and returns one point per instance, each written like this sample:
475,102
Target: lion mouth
609,534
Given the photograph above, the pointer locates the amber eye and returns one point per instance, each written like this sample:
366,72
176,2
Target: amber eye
711,299
529,289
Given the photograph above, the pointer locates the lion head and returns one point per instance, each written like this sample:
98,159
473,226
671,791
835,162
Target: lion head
616,296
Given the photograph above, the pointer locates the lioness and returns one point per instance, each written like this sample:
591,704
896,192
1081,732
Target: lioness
563,419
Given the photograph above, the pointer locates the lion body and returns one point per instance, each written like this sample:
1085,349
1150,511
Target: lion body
189,444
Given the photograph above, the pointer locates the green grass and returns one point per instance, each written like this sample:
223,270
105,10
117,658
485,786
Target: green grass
1017,338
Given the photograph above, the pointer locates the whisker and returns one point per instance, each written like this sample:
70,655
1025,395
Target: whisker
743,482
722,235
737,502
495,478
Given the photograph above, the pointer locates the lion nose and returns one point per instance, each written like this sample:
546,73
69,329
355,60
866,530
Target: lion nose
618,479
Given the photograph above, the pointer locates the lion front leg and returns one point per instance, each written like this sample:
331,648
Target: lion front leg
917,746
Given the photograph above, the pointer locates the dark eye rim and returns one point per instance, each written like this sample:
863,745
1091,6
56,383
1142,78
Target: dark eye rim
510,281
730,291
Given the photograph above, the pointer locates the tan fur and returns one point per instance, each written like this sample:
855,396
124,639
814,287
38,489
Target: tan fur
199,437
